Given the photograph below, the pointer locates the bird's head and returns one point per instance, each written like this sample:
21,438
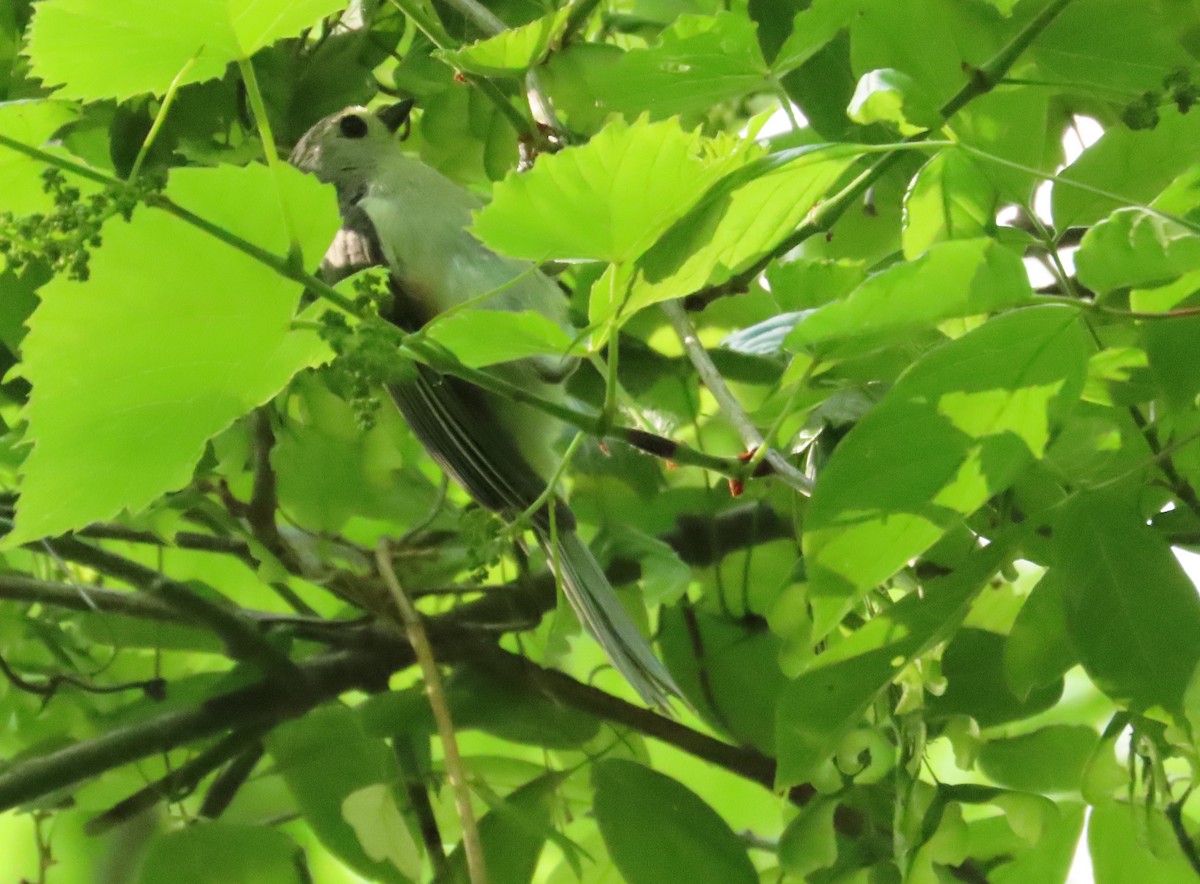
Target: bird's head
345,147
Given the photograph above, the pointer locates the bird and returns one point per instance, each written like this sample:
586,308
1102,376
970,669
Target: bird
401,214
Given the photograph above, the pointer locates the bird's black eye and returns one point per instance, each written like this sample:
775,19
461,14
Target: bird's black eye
353,126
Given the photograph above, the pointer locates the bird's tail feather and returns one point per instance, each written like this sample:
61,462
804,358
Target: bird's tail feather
596,604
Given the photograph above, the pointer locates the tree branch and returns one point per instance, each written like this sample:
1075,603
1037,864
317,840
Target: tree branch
241,637
177,784
263,704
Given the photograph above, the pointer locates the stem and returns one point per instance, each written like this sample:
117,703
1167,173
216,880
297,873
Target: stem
179,782
993,71
1093,307
267,137
1174,814
548,493
160,118
728,403
612,383
746,763
16,588
581,11
259,107
414,629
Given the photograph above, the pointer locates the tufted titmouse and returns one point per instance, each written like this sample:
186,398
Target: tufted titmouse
404,215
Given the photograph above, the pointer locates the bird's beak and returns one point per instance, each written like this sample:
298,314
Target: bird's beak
397,115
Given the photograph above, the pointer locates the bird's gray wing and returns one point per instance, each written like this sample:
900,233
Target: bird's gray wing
453,419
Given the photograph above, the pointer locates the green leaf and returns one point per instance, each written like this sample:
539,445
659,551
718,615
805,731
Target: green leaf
31,122
812,29
326,760
1016,127
699,61
513,833
951,198
803,285
329,470
488,701
1133,166
743,218
1038,651
973,666
485,337
516,711
1170,346
892,97
934,43
809,842
956,429
1051,759
512,51
381,830
18,301
244,855
173,337
690,840
95,49
466,137
1132,613
607,200
726,669
664,578
1132,844
952,279
818,708
1133,247
1108,43
1051,857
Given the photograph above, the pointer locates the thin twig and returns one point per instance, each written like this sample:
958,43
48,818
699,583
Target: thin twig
414,629
50,684
190,540
730,407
